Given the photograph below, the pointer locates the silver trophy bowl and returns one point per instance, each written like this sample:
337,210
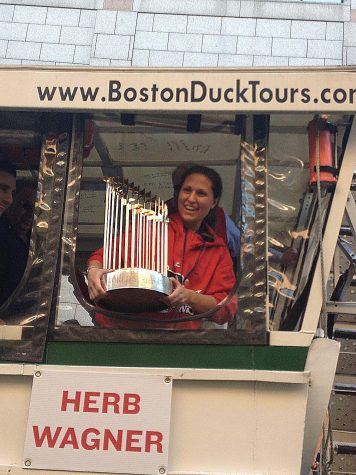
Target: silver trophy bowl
135,290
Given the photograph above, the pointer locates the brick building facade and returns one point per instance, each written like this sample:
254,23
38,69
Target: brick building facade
209,33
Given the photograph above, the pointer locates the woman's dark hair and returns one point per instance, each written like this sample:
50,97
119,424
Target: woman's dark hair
216,185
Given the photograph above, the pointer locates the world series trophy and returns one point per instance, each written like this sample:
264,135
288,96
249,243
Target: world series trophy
135,248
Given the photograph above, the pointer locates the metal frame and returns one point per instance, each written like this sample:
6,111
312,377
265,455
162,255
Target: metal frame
339,202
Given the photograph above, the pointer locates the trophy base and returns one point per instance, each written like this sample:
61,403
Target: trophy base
135,290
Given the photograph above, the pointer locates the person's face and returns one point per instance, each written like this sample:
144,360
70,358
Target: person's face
7,190
22,211
195,200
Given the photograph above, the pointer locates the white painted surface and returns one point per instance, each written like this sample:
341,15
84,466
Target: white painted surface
267,376
238,425
321,362
223,421
82,408
281,338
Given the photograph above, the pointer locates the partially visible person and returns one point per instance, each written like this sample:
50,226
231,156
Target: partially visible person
7,184
15,233
198,259
21,213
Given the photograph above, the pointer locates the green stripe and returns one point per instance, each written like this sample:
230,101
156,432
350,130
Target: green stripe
177,356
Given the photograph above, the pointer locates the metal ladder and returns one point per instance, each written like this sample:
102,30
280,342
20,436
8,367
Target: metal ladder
342,327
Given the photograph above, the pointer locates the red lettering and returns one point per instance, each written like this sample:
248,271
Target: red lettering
154,438
131,439
109,437
131,404
111,399
69,439
46,435
95,443
90,402
92,439
66,401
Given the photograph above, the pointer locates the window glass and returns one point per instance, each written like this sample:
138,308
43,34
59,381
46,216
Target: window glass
138,156
294,221
35,146
20,151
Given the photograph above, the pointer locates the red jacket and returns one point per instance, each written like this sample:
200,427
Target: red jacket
201,258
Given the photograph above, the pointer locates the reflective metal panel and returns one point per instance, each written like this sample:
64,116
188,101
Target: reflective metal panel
28,308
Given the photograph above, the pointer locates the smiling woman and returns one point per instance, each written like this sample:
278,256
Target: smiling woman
199,262
198,196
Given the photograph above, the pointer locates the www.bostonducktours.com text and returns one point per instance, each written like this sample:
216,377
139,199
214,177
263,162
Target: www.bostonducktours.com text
240,92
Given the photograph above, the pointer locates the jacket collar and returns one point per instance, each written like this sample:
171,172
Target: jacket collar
205,232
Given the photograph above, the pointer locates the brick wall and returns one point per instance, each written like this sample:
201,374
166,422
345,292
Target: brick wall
119,33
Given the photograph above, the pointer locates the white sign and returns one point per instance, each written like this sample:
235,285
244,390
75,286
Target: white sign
308,89
98,422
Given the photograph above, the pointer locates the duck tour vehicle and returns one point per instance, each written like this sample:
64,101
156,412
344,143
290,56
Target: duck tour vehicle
241,386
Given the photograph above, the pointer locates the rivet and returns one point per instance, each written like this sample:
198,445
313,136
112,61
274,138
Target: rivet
38,374
162,470
27,463
167,379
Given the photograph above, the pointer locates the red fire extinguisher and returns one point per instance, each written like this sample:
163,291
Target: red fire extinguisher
321,143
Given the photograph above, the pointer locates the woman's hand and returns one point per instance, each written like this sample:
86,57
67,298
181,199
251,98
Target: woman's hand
198,302
96,285
179,296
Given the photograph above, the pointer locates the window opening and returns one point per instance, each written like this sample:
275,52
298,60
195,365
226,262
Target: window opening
145,149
